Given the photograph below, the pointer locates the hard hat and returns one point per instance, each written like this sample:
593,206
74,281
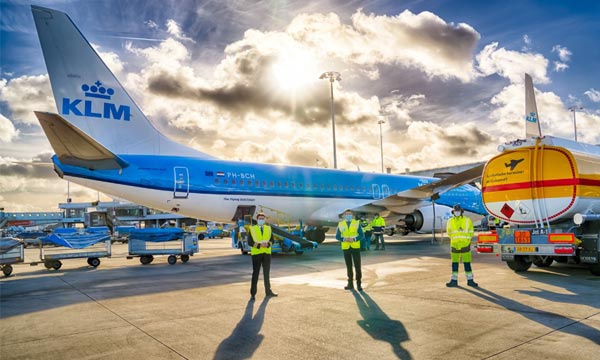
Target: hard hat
261,214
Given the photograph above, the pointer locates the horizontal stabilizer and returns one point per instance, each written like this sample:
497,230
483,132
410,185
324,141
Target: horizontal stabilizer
74,147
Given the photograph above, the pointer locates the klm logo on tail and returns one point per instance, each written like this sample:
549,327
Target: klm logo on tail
108,110
531,117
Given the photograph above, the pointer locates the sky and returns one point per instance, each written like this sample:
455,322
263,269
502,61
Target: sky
240,80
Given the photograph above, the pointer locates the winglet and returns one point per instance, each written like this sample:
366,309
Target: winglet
74,147
532,120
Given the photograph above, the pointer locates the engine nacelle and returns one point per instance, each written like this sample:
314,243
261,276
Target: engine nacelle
422,220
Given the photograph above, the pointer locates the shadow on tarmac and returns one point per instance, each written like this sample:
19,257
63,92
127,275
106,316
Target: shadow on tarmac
379,326
245,338
542,317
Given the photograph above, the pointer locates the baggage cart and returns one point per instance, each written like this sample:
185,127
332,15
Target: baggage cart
12,251
183,248
51,257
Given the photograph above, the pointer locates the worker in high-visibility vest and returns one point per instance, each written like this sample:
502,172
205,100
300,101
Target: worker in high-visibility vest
460,231
365,244
378,225
261,241
349,233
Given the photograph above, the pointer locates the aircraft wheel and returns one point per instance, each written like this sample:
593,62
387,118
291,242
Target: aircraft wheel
520,263
7,270
185,258
172,259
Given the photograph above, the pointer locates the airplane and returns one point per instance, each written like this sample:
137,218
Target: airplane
103,141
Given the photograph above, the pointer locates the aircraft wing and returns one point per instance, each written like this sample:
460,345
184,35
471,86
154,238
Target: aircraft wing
421,194
74,147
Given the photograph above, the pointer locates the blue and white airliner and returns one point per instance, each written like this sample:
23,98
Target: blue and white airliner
103,141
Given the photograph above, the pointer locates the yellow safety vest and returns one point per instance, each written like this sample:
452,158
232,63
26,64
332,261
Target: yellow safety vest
260,236
349,232
460,231
379,222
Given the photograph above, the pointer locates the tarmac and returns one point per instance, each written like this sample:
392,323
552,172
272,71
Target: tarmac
201,309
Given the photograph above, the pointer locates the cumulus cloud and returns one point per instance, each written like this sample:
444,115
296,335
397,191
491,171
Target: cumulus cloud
512,64
174,29
593,95
558,66
25,94
7,130
564,54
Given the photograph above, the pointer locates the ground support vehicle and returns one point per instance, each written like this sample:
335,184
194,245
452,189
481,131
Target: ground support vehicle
12,251
51,256
523,246
183,247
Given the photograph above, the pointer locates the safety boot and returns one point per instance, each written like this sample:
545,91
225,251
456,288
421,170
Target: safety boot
472,283
350,286
452,283
358,285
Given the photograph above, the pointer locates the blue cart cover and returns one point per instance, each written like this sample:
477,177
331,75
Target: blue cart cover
76,241
155,234
7,244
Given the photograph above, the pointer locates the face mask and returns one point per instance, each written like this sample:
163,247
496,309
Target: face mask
260,222
348,217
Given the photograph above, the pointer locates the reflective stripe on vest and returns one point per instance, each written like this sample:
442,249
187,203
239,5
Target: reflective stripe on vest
349,232
460,231
260,236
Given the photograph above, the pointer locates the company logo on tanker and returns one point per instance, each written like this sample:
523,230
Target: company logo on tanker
513,163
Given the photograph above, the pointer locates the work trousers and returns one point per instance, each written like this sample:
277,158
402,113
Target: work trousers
466,257
257,261
352,255
379,240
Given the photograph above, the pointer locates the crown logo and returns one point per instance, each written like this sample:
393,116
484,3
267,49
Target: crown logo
97,90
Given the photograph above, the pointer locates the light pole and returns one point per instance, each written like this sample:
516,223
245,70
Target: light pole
332,76
380,122
574,110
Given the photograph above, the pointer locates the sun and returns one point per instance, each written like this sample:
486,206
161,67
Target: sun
295,70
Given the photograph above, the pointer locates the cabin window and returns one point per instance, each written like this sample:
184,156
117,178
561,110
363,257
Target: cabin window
224,181
216,180
233,181
241,182
285,184
279,184
272,183
300,185
352,187
264,184
322,187
328,186
335,187
249,182
293,184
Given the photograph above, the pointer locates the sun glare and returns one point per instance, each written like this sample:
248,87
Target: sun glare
294,71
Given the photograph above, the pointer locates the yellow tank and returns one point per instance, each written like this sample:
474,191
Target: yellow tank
542,181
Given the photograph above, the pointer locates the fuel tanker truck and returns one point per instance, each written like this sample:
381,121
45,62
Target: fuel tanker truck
547,190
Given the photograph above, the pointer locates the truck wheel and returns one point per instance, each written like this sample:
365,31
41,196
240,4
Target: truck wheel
146,259
185,258
95,262
200,236
48,264
595,269
543,261
7,270
172,259
520,263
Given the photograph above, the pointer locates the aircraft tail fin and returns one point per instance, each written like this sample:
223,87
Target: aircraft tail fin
89,96
74,147
532,120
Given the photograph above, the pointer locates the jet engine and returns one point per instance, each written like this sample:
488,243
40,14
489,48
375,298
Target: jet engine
422,219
